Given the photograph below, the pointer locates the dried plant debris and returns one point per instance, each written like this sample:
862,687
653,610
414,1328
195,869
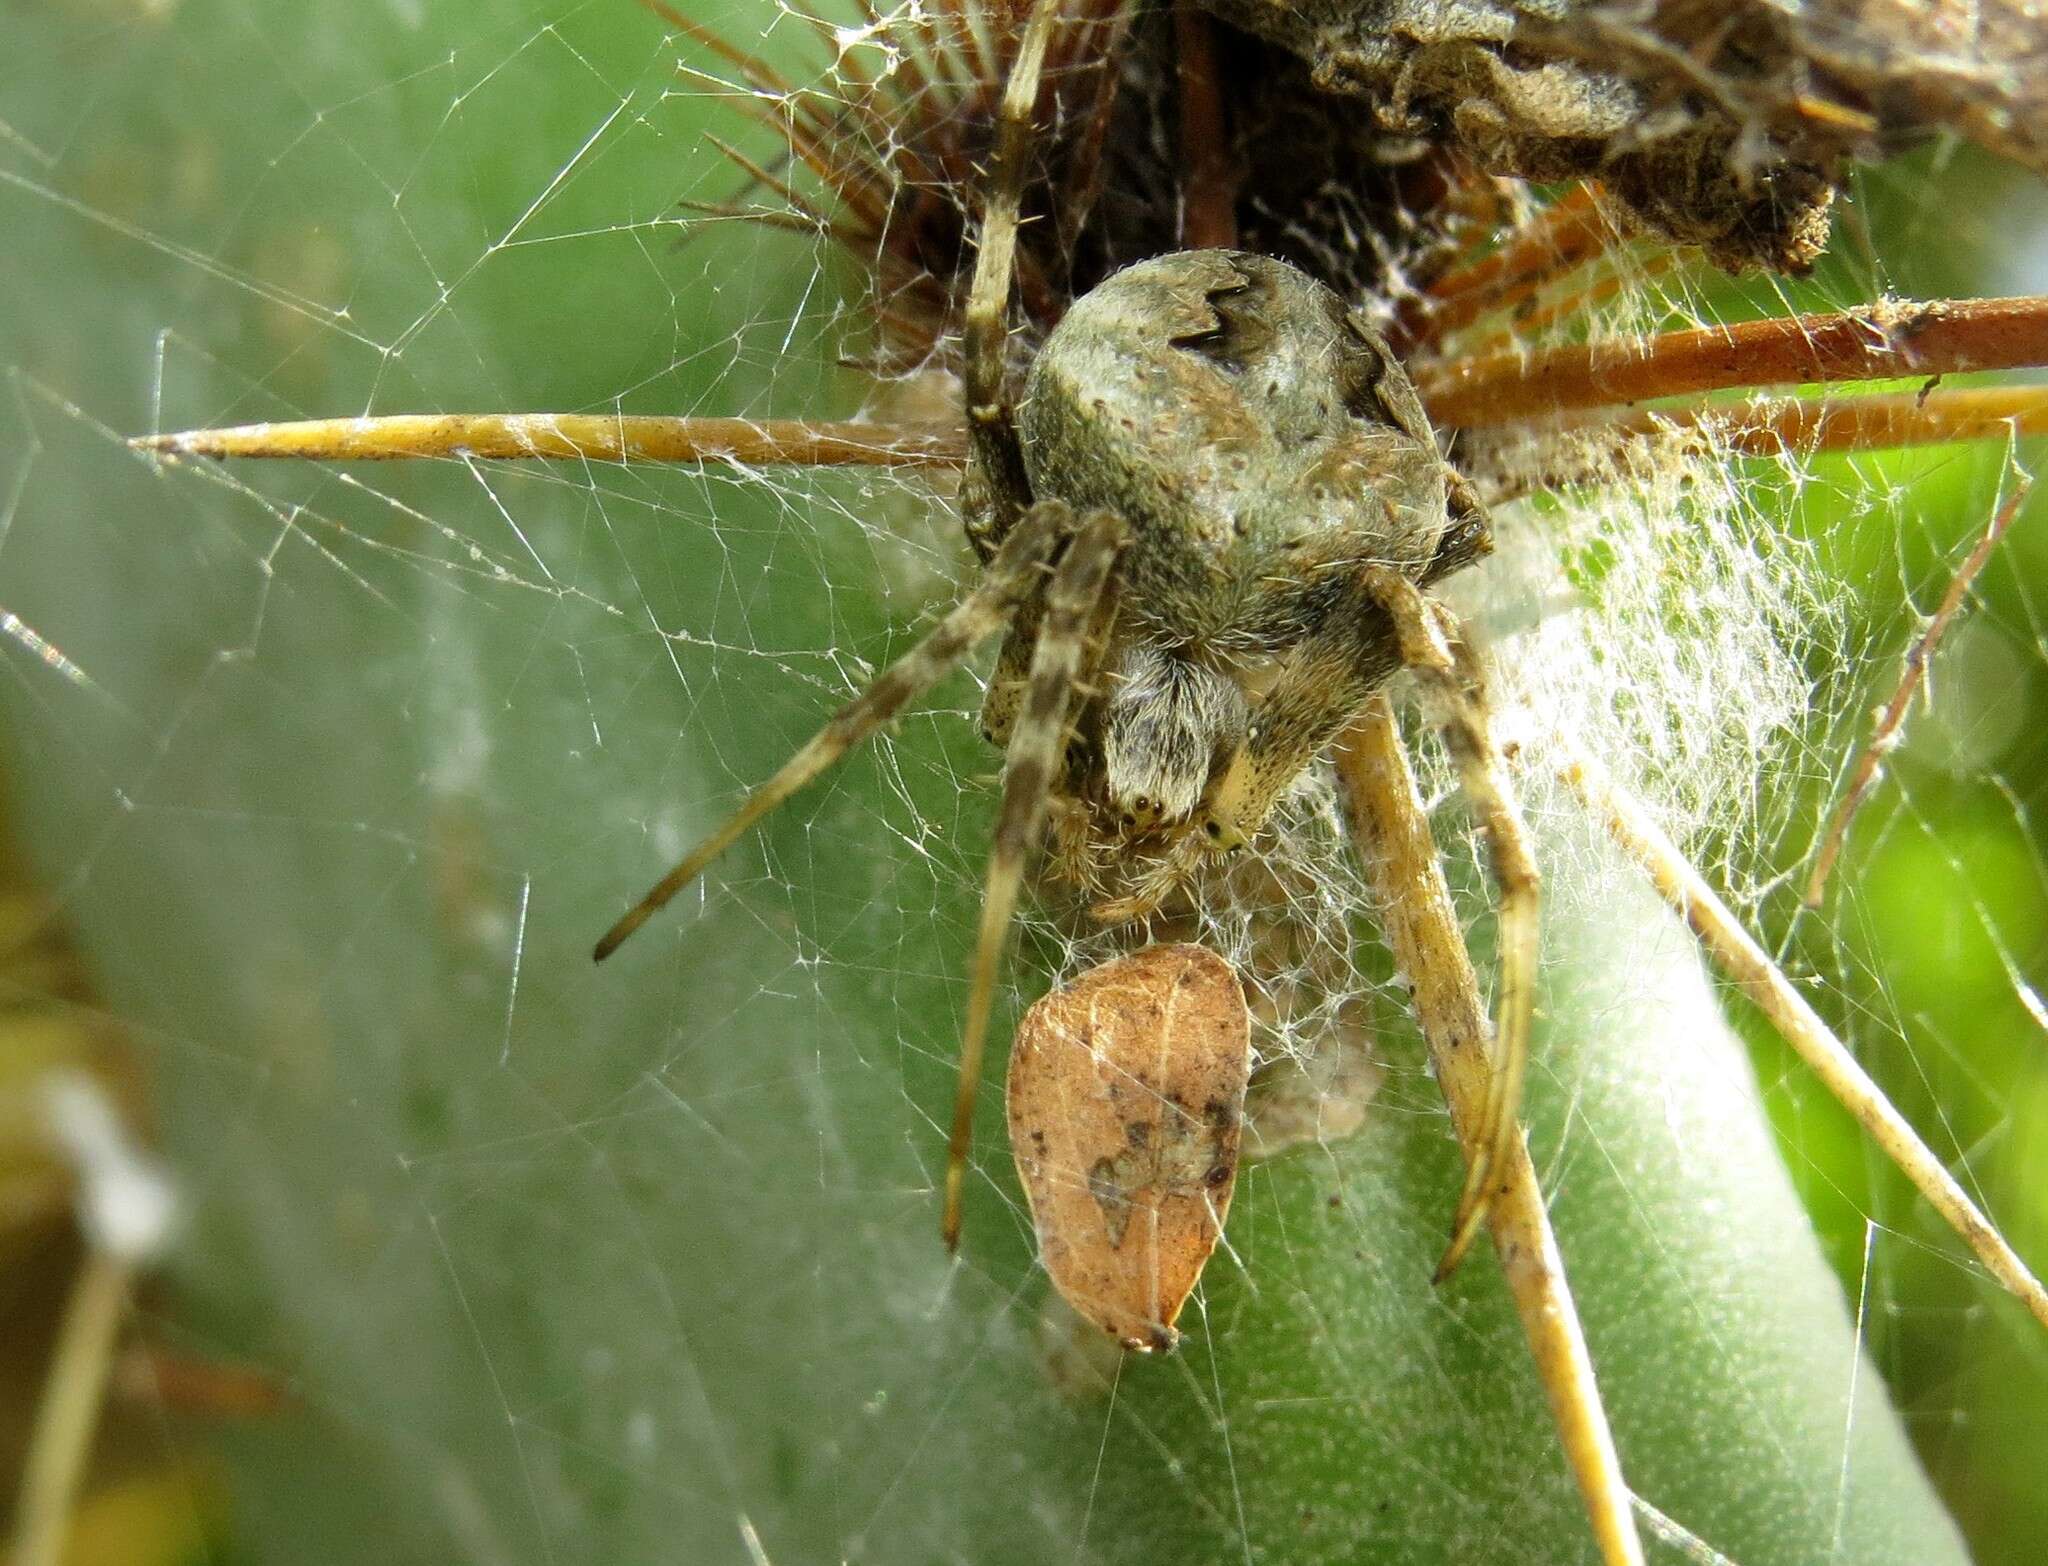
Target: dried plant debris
1727,125
1126,1105
1970,66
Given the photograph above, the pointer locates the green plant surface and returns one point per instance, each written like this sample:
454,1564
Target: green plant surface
338,773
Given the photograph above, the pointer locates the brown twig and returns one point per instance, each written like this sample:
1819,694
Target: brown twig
1891,719
1392,830
1805,426
1866,423
1871,342
1209,190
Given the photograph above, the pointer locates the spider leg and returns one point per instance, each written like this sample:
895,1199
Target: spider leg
1750,968
1011,675
1036,749
1399,852
1001,492
1427,634
1008,581
1326,680
1331,675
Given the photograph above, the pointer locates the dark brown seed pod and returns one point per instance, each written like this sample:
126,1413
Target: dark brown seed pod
1126,1104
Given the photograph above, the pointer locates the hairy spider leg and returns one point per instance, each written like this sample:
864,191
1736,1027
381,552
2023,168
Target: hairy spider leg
1390,825
1003,491
1006,682
1519,921
1325,681
997,490
1433,646
1014,576
1035,756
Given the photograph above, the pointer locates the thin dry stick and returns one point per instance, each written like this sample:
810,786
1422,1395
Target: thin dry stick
70,1410
589,437
1865,423
1888,338
1392,830
1557,239
1773,427
1884,738
1209,204
1807,424
1738,956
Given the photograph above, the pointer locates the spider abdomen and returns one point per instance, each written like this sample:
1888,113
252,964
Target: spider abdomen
1254,434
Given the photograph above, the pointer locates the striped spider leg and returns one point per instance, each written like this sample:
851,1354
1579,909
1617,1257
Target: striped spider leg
1435,650
1046,566
1050,620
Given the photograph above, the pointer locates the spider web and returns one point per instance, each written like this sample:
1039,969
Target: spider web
338,772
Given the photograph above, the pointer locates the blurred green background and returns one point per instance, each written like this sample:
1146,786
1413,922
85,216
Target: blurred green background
332,776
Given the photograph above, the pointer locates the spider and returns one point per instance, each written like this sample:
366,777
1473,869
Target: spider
1218,468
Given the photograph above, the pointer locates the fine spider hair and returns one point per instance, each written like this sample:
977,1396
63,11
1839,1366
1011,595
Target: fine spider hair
1218,470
